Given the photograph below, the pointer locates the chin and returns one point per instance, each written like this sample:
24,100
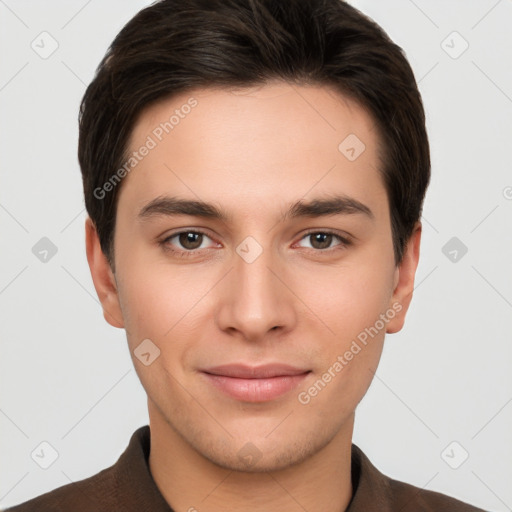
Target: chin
261,455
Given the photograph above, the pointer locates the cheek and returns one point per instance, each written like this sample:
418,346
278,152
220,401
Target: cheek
160,308
348,302
349,351
162,304
346,299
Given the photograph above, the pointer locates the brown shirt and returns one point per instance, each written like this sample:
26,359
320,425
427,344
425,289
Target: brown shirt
128,486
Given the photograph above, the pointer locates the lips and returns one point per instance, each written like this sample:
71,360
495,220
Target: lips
241,371
255,383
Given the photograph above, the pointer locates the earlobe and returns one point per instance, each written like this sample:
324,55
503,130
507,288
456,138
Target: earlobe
102,276
404,281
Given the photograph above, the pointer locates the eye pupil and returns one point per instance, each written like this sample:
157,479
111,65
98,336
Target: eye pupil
190,240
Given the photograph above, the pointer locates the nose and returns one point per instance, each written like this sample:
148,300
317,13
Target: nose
255,299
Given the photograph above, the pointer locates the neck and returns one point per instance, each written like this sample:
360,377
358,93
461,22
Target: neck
190,482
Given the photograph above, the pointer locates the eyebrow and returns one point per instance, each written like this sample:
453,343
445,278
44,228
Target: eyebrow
319,207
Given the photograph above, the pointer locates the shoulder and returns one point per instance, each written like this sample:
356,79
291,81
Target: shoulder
407,497
91,494
374,490
127,484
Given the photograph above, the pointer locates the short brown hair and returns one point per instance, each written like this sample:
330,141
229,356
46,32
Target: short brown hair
177,45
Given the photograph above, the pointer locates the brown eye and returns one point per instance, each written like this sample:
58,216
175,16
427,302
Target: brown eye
321,240
187,243
324,242
190,240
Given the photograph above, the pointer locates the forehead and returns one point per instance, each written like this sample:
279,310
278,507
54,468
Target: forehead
252,143
269,107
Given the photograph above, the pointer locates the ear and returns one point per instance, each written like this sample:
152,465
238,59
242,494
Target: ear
404,281
102,276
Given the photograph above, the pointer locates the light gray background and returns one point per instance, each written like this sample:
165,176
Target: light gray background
66,375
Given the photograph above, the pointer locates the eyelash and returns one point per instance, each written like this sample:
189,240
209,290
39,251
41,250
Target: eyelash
344,242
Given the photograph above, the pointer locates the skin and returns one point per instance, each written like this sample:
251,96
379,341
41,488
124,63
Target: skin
253,152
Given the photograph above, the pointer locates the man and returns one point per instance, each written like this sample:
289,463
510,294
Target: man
254,173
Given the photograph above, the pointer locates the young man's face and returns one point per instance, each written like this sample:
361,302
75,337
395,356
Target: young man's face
261,286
